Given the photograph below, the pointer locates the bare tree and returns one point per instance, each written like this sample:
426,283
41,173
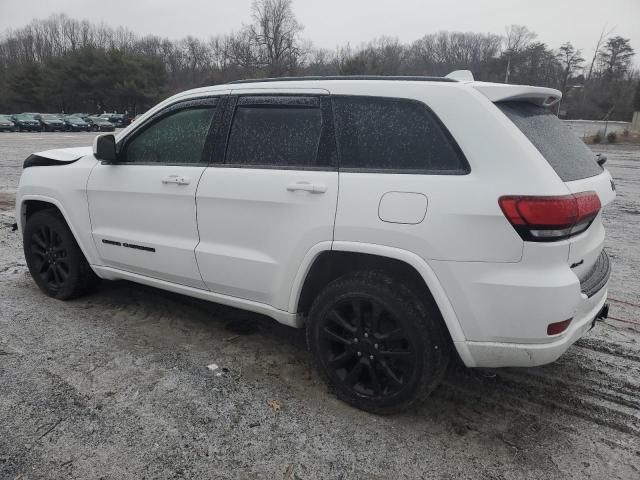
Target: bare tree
517,38
603,34
571,61
275,32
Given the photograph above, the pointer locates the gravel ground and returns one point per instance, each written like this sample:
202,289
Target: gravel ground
116,385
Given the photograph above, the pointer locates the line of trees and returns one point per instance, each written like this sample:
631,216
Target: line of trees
63,64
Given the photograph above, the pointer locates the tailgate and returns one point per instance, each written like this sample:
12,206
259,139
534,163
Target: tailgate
576,166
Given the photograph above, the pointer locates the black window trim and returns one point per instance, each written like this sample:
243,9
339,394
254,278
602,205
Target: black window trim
455,172
326,148
217,101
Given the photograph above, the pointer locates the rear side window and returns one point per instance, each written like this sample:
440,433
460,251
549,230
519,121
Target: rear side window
565,152
394,135
178,138
275,135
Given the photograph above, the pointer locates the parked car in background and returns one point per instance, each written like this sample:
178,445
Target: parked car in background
50,122
99,124
76,124
120,120
7,124
80,115
26,123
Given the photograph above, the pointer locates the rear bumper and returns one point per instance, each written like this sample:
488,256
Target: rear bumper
495,354
504,309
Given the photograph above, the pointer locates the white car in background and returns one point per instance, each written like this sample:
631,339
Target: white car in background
398,219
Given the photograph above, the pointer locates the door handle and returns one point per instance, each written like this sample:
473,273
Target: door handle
177,179
307,187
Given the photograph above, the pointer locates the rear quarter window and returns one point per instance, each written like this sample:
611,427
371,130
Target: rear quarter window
566,153
394,135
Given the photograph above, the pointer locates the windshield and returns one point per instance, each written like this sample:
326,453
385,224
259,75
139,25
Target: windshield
24,117
5,118
75,120
50,117
565,152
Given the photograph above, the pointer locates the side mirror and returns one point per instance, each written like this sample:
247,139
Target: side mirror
104,147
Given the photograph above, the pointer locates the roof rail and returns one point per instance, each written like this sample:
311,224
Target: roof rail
411,78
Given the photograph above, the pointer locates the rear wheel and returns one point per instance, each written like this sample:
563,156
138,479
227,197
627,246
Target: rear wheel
376,343
55,261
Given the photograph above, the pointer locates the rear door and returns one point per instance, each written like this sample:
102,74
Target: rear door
273,198
576,166
142,207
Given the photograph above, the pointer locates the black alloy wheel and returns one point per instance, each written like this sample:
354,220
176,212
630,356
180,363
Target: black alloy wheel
379,344
366,348
54,258
50,256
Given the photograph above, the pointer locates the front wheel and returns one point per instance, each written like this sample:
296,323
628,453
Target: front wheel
377,344
55,260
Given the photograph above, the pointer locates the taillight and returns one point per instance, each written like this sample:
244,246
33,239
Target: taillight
546,219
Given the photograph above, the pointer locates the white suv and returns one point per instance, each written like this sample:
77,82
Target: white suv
397,218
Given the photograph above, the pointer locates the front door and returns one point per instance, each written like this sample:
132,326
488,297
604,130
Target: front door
142,207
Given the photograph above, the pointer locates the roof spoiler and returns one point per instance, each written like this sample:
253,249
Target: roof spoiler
501,92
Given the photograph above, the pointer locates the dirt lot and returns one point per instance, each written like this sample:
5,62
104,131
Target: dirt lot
116,385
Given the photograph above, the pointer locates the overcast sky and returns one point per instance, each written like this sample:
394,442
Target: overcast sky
332,22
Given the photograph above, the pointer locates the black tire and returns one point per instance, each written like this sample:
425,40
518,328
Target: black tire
388,363
54,258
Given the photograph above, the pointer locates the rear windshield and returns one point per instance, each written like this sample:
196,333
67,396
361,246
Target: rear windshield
565,152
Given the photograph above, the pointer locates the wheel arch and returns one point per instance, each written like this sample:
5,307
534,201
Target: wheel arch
29,204
327,264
